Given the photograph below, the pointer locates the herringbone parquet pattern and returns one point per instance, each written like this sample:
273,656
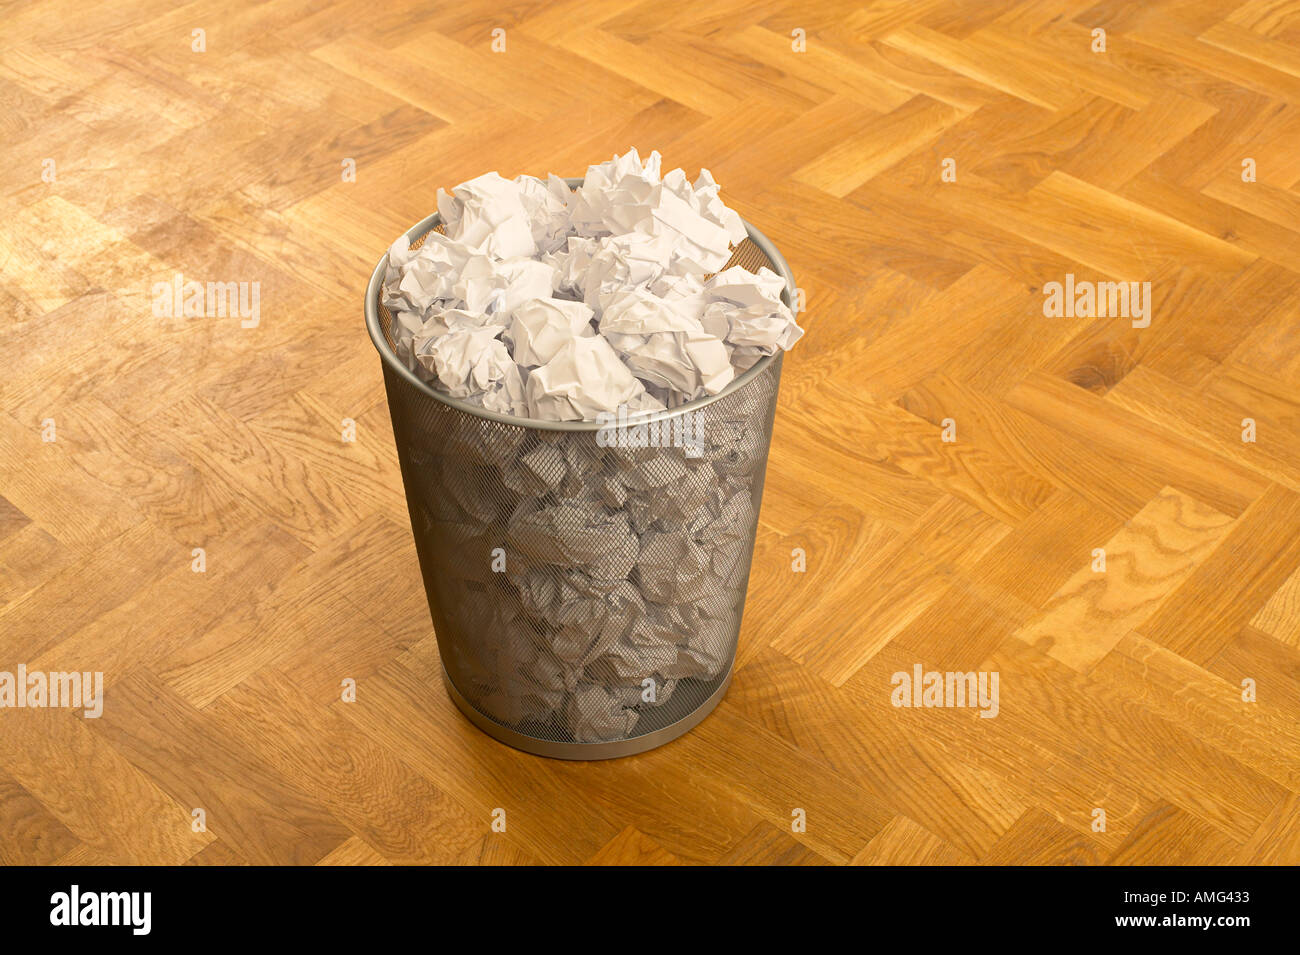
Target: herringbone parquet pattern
129,157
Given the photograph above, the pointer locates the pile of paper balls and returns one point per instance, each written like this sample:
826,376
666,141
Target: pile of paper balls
545,302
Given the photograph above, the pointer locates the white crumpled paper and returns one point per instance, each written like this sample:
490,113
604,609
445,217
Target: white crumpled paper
500,217
664,343
584,378
472,363
622,259
539,327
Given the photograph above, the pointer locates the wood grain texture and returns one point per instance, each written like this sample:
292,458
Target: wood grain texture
1121,690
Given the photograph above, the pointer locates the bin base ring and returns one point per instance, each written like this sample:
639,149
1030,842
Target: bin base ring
608,750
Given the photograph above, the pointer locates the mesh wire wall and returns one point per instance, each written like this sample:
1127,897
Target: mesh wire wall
583,588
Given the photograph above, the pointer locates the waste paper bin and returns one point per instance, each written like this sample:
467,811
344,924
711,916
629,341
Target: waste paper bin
586,579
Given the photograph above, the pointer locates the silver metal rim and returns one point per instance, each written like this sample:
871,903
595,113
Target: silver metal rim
395,364
586,751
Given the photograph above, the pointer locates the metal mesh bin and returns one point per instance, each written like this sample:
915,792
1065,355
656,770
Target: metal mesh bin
586,583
